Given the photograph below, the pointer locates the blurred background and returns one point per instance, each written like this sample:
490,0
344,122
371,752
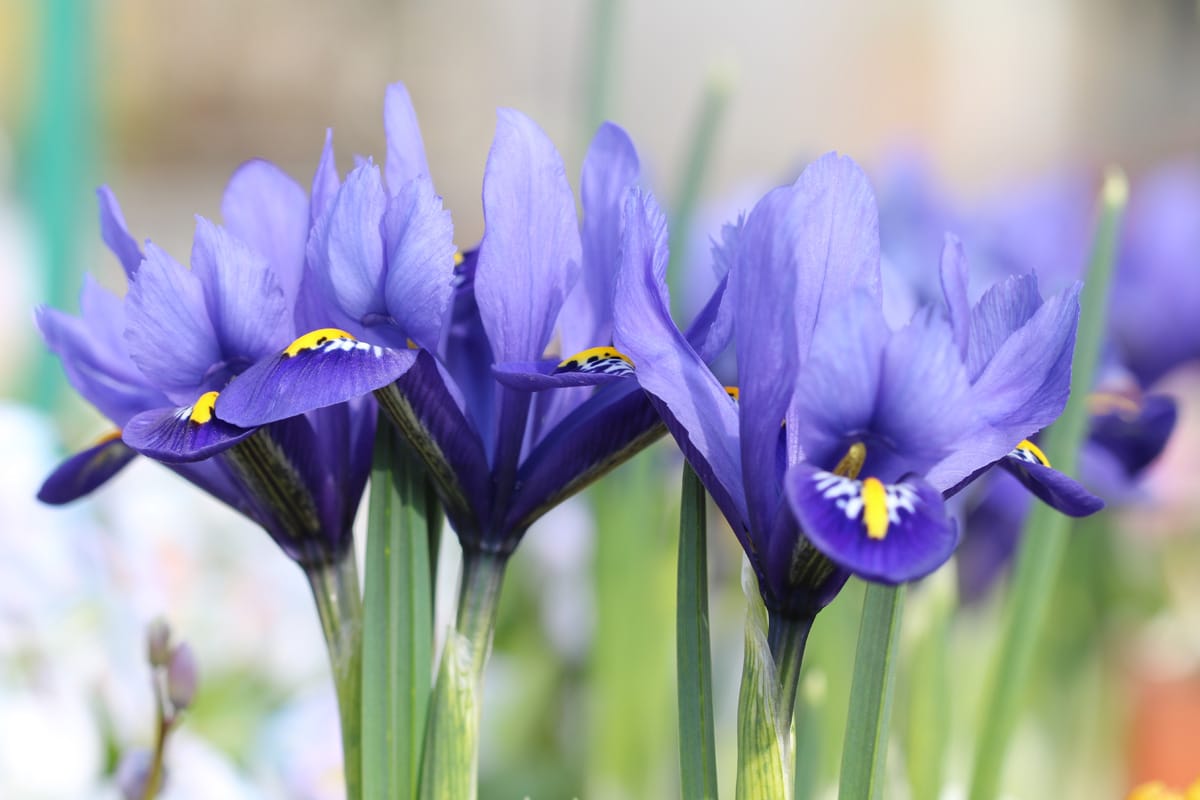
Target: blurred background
162,100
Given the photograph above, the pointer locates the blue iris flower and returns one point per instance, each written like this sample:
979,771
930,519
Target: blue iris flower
833,453
155,361
497,363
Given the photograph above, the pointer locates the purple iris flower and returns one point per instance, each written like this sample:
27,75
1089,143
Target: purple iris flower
155,361
475,339
832,454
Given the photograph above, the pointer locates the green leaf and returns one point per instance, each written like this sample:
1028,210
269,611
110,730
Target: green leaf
927,677
864,754
697,748
398,619
451,766
1044,541
763,743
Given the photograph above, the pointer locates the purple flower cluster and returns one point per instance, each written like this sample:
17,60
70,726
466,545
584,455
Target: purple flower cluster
523,369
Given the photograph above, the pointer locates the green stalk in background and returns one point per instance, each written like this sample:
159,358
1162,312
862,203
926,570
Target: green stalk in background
339,605
58,161
1044,540
697,746
450,769
927,679
600,65
398,618
864,753
699,155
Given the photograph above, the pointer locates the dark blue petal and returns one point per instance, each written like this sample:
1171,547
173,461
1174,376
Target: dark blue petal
246,304
84,472
469,354
1051,486
609,169
180,435
612,426
420,257
530,255
536,376
424,409
405,148
889,533
795,577
1136,438
263,207
954,290
319,369
115,234
168,330
700,410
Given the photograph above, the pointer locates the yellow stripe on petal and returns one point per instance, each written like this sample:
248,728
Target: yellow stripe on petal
314,339
1035,451
597,359
202,409
875,508
733,393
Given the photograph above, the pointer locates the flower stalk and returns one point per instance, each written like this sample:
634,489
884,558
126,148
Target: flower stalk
339,606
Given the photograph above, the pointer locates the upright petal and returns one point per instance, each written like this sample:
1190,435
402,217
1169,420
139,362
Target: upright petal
346,248
420,257
763,280
609,169
1025,384
530,254
1003,308
832,225
115,234
168,330
469,354
405,148
326,182
263,207
246,304
954,290
667,366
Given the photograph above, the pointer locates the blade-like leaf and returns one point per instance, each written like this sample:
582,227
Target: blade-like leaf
697,750
398,619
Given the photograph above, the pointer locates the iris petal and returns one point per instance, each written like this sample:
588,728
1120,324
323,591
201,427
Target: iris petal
319,369
405,148
1051,486
84,472
115,233
890,533
180,435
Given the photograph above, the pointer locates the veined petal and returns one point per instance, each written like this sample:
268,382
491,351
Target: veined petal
263,207
346,248
168,330
326,182
1004,308
954,290
420,257
712,329
246,304
609,169
319,369
1029,465
604,432
889,533
537,376
84,472
115,233
405,148
530,255
180,435
1025,384
702,418
422,407
94,355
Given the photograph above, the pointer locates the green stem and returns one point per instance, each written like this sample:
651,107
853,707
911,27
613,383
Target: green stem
699,154
697,743
864,754
787,637
1044,542
339,605
451,759
154,781
603,39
